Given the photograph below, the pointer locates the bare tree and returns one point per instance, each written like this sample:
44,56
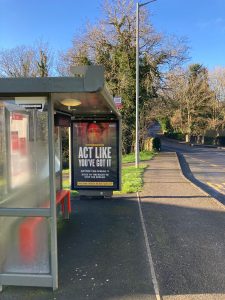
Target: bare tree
26,61
192,100
217,84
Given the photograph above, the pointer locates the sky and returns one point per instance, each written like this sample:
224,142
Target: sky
202,22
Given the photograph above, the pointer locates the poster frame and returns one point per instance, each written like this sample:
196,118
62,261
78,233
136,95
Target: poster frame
116,187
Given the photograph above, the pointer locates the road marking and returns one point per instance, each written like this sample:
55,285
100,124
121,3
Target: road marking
217,186
204,161
182,172
150,260
210,184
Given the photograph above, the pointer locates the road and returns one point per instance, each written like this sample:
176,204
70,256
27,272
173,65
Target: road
185,229
206,164
165,243
154,130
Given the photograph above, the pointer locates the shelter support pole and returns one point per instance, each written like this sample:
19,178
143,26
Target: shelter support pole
53,218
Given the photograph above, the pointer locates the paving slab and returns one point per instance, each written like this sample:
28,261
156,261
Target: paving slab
186,231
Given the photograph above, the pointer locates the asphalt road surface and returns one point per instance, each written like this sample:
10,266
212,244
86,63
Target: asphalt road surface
207,165
185,227
154,130
107,251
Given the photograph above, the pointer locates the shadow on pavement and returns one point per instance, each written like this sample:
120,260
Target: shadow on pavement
187,245
101,255
188,174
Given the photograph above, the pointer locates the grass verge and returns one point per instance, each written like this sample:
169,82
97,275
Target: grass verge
144,155
66,182
132,179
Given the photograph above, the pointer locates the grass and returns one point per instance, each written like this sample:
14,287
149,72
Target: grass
66,182
66,172
132,179
144,155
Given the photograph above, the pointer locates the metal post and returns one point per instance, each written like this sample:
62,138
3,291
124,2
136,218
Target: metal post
137,89
53,218
70,156
137,155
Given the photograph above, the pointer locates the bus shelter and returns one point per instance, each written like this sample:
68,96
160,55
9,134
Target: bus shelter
32,111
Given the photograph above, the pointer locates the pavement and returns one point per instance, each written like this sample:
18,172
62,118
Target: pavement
186,233
167,242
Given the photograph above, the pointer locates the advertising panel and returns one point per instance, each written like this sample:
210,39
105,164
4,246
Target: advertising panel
95,161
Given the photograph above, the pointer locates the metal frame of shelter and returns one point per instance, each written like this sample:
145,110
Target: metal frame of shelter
88,82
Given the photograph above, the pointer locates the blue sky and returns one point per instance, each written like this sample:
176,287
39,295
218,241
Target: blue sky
57,21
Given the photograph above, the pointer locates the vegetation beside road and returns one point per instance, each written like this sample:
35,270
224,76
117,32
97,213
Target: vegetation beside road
131,180
66,182
132,177
144,155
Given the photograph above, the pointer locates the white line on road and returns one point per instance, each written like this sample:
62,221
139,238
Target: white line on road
154,280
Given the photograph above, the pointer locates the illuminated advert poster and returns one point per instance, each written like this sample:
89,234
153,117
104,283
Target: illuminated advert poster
95,155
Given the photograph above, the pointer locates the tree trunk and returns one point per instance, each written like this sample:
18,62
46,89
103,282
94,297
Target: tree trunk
203,139
187,138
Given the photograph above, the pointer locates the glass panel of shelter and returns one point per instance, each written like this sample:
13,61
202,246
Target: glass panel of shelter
24,158
24,183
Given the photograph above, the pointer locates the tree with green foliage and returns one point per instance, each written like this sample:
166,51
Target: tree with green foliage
112,43
43,64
